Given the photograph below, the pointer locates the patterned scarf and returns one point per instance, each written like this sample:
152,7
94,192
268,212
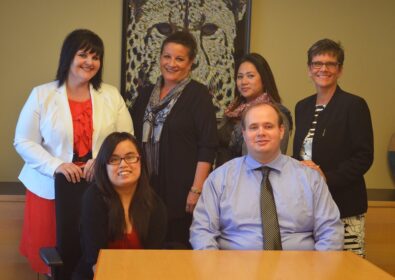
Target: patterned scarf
154,118
157,110
231,112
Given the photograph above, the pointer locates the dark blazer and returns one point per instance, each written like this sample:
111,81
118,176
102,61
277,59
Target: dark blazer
94,230
189,135
342,146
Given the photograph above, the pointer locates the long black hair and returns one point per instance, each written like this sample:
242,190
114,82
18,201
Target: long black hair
142,203
267,78
80,39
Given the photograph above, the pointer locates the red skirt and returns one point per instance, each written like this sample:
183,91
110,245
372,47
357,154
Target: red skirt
39,230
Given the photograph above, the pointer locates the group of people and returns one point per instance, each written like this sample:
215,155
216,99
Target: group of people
155,189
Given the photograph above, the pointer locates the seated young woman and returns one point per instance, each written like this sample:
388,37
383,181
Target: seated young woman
119,211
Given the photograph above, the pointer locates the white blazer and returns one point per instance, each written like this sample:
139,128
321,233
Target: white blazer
44,132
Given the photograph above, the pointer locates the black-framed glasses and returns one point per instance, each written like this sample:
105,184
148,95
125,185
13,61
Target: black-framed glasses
329,65
115,160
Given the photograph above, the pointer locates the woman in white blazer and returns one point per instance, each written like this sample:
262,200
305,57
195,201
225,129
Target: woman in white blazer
60,130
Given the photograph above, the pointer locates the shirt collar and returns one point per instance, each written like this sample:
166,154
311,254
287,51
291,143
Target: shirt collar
276,164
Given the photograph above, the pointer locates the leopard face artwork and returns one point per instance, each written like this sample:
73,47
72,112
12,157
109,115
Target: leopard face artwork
214,26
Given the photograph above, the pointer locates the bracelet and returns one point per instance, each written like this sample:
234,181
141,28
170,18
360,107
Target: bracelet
195,190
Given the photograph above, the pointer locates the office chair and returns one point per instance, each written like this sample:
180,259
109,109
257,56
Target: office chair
51,258
68,199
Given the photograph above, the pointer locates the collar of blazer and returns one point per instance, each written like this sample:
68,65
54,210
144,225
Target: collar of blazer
92,91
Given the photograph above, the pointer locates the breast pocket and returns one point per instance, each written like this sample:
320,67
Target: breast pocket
294,212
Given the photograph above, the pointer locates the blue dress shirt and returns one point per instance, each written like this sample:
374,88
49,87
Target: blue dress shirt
227,215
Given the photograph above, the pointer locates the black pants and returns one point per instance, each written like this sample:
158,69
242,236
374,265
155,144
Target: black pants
177,236
68,198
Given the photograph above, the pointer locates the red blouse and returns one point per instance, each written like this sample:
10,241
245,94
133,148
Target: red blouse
130,241
81,113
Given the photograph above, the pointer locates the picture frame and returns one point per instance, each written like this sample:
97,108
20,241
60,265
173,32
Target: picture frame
220,27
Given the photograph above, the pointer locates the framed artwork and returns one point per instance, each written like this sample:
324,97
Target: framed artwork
221,29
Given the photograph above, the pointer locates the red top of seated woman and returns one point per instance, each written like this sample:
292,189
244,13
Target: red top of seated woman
130,241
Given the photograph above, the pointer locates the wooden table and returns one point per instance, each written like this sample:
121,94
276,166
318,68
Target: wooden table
183,264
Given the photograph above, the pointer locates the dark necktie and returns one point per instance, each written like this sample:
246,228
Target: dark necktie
270,227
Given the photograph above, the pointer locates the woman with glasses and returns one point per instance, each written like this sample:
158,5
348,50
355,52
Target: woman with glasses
120,211
59,132
334,136
255,84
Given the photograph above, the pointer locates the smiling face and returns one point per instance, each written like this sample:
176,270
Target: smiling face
84,67
325,78
262,133
124,175
211,22
249,82
175,64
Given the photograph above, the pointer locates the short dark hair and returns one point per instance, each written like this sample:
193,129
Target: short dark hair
143,200
326,46
266,74
80,39
248,108
183,38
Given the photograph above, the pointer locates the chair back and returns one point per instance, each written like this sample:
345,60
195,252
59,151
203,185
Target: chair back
68,200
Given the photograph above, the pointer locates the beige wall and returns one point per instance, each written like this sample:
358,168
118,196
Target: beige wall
32,31
283,30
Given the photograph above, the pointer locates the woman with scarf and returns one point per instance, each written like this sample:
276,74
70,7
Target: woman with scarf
175,122
255,84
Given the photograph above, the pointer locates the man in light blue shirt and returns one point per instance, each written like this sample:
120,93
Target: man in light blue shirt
228,214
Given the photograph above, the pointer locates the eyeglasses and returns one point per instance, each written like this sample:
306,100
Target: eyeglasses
329,65
115,160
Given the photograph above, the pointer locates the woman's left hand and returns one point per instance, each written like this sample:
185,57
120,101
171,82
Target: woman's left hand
88,170
312,165
192,199
201,173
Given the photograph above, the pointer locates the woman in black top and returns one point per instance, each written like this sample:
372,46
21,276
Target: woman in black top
334,136
120,211
175,121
